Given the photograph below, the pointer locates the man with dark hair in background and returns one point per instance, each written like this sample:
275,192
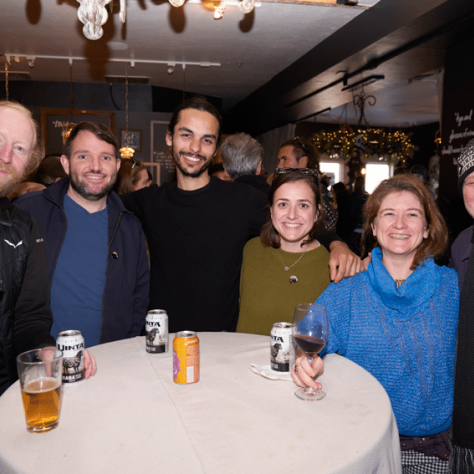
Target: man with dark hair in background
95,249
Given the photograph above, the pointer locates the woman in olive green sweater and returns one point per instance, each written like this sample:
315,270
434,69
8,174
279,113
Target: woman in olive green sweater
286,265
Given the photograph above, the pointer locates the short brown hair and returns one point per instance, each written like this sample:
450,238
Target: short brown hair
268,234
435,244
101,131
303,148
35,155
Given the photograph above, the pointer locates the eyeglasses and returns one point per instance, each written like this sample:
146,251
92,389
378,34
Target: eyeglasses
303,171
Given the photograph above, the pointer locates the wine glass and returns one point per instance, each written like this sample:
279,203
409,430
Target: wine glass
311,332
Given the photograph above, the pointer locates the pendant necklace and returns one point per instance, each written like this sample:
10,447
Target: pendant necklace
293,278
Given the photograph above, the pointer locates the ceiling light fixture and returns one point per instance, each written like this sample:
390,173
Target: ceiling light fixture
126,151
247,6
219,12
31,61
93,14
171,67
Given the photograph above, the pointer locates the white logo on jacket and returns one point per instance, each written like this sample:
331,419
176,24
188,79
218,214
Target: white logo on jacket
13,245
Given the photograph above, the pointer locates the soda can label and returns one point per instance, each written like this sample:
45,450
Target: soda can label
282,350
156,325
186,358
71,344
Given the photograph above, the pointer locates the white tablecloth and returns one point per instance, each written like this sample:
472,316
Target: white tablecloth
132,418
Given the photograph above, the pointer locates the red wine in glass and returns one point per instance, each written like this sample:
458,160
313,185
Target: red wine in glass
310,334
310,345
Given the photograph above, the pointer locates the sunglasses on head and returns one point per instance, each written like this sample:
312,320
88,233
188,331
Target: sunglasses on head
304,171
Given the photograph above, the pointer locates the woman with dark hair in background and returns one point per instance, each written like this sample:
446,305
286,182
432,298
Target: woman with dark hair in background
132,176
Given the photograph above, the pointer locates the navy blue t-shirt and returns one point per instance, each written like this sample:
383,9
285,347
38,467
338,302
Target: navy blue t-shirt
79,277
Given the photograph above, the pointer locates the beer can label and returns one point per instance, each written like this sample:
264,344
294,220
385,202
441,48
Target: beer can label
156,325
282,350
71,344
186,368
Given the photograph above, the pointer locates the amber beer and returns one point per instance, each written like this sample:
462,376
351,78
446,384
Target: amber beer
42,403
40,373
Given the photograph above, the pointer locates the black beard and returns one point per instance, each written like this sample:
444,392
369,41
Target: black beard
82,190
193,174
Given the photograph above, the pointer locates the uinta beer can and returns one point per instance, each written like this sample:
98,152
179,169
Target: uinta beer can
156,324
186,357
71,344
282,350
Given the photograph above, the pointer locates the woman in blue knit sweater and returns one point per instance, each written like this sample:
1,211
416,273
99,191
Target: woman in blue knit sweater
398,319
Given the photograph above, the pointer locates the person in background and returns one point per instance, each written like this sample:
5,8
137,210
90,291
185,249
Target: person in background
25,315
286,264
398,319
50,170
242,158
95,248
358,199
462,260
132,176
217,170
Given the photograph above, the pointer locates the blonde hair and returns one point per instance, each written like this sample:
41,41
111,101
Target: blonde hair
35,154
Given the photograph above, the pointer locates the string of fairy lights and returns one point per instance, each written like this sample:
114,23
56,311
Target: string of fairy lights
346,144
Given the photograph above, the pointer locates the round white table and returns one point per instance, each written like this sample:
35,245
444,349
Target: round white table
132,418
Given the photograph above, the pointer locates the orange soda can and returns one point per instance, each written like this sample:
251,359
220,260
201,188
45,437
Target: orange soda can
186,357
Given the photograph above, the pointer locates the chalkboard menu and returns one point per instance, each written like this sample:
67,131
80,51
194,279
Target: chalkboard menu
458,118
52,125
163,167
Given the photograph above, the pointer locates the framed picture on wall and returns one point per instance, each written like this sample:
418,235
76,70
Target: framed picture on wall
134,139
52,121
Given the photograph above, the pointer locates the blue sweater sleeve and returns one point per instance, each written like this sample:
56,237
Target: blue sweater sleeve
337,299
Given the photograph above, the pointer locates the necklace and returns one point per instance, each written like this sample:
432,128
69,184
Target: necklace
293,278
399,283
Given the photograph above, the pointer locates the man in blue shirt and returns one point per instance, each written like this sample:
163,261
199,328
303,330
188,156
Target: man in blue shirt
95,248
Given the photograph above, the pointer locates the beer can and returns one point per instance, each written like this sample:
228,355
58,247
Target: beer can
186,357
156,324
71,344
282,350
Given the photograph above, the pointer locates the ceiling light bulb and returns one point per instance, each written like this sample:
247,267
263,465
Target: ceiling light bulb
170,68
219,12
247,5
177,3
31,62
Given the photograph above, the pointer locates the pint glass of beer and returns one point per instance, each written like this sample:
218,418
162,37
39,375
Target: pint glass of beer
40,372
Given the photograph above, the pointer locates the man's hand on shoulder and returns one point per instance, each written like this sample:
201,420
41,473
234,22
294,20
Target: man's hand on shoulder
343,262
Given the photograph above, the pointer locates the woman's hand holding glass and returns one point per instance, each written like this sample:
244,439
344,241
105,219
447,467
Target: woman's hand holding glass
305,372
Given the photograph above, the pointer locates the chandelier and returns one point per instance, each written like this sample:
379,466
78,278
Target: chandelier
347,144
93,14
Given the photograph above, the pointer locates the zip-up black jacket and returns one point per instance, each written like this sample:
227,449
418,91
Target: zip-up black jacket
127,276
25,315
